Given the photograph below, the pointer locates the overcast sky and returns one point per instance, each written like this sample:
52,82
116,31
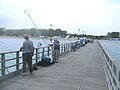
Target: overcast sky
96,17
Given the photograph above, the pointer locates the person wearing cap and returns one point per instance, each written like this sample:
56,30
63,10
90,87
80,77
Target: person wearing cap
28,51
56,49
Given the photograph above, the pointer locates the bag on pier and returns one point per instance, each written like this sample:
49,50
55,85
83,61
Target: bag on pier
45,61
35,68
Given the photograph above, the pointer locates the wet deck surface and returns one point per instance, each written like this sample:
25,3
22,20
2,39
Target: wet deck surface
80,70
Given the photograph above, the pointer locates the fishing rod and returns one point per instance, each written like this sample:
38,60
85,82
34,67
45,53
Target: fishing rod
57,33
66,39
25,11
61,35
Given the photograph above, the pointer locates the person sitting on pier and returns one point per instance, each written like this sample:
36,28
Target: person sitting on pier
28,51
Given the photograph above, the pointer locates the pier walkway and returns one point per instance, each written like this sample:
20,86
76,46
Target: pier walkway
79,70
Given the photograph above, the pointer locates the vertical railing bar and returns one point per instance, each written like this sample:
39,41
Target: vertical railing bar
36,55
67,47
17,60
62,49
48,51
43,49
3,64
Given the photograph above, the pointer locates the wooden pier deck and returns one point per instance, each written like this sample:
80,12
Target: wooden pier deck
79,70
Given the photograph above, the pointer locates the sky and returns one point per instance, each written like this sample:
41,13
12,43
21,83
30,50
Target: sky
91,17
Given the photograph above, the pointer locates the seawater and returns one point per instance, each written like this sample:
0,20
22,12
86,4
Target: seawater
8,44
112,48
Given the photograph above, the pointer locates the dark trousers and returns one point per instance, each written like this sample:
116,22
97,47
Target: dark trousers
27,59
56,55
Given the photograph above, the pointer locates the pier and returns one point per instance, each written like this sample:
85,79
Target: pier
79,70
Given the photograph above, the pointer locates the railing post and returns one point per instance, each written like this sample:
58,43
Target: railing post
3,64
17,60
48,52
43,51
70,46
62,49
67,47
36,55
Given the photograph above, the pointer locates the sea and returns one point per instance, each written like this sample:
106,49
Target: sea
112,48
8,44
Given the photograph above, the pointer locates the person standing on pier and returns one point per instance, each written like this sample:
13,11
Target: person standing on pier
56,50
28,51
51,44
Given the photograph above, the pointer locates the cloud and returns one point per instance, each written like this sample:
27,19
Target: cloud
65,14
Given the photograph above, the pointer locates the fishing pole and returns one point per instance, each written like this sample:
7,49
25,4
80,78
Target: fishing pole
64,38
61,35
25,11
57,32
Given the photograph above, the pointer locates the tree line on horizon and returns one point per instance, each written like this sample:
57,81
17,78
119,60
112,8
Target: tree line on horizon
33,32
113,35
51,33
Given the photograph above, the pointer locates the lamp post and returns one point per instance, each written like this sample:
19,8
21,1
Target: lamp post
86,32
51,26
78,31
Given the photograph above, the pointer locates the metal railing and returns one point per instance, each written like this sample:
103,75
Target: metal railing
11,62
112,70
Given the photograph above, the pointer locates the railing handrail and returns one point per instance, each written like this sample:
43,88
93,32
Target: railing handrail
18,57
112,70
